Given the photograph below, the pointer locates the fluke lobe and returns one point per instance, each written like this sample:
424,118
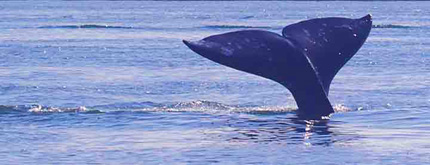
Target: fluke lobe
304,59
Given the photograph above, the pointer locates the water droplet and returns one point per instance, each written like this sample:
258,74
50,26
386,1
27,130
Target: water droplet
325,39
340,53
306,50
355,35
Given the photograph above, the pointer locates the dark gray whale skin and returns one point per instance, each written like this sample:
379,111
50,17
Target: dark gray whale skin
304,59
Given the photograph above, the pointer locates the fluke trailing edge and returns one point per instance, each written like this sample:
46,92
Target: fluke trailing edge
304,59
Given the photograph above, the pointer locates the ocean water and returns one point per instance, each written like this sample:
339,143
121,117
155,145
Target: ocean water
110,82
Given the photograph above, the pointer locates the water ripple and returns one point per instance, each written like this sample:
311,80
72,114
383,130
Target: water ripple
84,26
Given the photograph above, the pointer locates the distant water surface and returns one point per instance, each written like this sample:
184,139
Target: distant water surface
110,82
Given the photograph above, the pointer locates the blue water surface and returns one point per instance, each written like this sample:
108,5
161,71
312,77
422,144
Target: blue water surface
110,82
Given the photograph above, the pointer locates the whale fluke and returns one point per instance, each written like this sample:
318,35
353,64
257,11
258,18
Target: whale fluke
304,59
329,42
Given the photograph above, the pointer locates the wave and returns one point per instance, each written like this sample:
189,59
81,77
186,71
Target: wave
235,27
193,106
36,108
85,26
222,26
394,26
96,26
380,26
247,17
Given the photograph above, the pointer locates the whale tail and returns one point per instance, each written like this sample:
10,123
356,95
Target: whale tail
304,59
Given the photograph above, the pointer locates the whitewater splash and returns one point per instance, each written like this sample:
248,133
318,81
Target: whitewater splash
36,108
193,106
